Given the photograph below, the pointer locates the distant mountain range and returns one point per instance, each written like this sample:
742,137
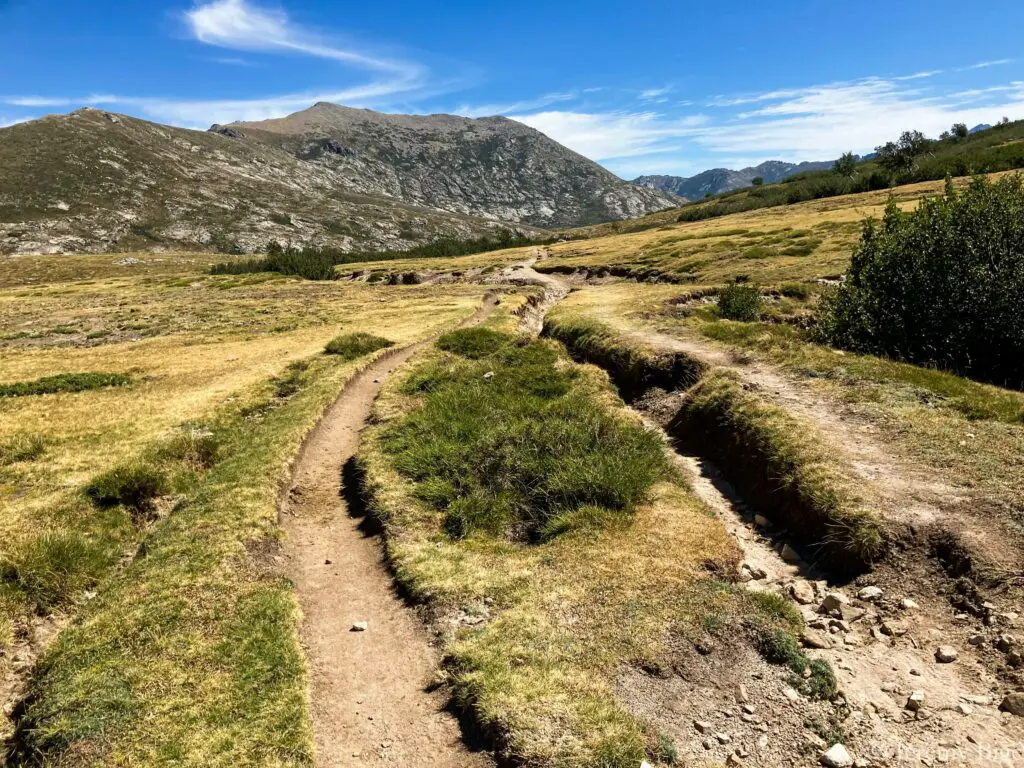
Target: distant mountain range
724,180
330,175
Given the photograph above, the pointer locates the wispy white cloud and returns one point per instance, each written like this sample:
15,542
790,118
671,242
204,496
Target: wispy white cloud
920,75
243,26
656,95
614,134
487,110
232,61
986,64
6,122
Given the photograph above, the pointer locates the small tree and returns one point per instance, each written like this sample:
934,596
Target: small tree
845,166
899,156
960,130
757,181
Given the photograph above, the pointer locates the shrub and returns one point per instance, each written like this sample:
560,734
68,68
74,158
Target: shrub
740,302
354,345
940,285
21,447
780,647
527,453
50,567
65,382
135,486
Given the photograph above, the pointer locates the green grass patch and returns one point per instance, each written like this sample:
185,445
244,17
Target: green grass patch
49,568
512,444
778,646
353,345
65,382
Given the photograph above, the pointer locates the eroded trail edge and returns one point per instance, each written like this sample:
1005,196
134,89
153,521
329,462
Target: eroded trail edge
370,702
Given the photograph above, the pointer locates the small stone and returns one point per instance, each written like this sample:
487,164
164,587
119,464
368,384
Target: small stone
811,639
870,594
915,672
946,654
908,605
916,701
702,726
762,522
1015,659
789,554
862,762
708,744
762,741
733,760
1009,619
723,738
834,604
976,639
747,709
704,647
327,562
802,592
741,752
1014,704
757,574
837,757
839,625
360,626
893,629
1005,642
964,709
741,694
790,693
489,375
750,719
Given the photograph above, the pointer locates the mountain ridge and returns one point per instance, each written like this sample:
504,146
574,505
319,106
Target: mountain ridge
94,181
717,180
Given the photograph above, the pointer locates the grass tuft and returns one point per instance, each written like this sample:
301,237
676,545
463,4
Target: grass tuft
354,345
65,382
135,486
21,447
778,646
196,448
51,567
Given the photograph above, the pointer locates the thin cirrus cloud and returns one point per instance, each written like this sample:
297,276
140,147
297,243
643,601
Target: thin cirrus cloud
487,110
242,26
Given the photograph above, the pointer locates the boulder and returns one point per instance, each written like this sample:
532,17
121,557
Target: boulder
946,654
837,757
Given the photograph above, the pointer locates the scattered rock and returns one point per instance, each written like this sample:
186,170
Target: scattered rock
723,738
976,639
802,592
1005,642
834,604
733,760
964,709
328,562
762,741
893,629
708,744
741,694
1014,704
762,522
702,726
360,626
748,709
837,757
946,654
757,574
811,639
790,693
916,701
489,375
870,595
908,605
789,555
1015,659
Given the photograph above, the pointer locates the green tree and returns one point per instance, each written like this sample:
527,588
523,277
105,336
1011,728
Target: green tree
960,130
845,166
757,181
899,156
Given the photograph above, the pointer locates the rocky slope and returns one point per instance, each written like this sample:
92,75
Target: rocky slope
724,180
492,167
95,181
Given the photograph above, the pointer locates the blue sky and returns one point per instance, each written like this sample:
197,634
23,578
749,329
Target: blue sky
642,87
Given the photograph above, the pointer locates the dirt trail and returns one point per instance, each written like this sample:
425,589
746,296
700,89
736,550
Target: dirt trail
554,290
368,689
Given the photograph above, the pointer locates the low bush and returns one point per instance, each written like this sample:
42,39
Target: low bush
741,302
940,285
135,486
795,291
354,345
513,444
51,567
65,382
